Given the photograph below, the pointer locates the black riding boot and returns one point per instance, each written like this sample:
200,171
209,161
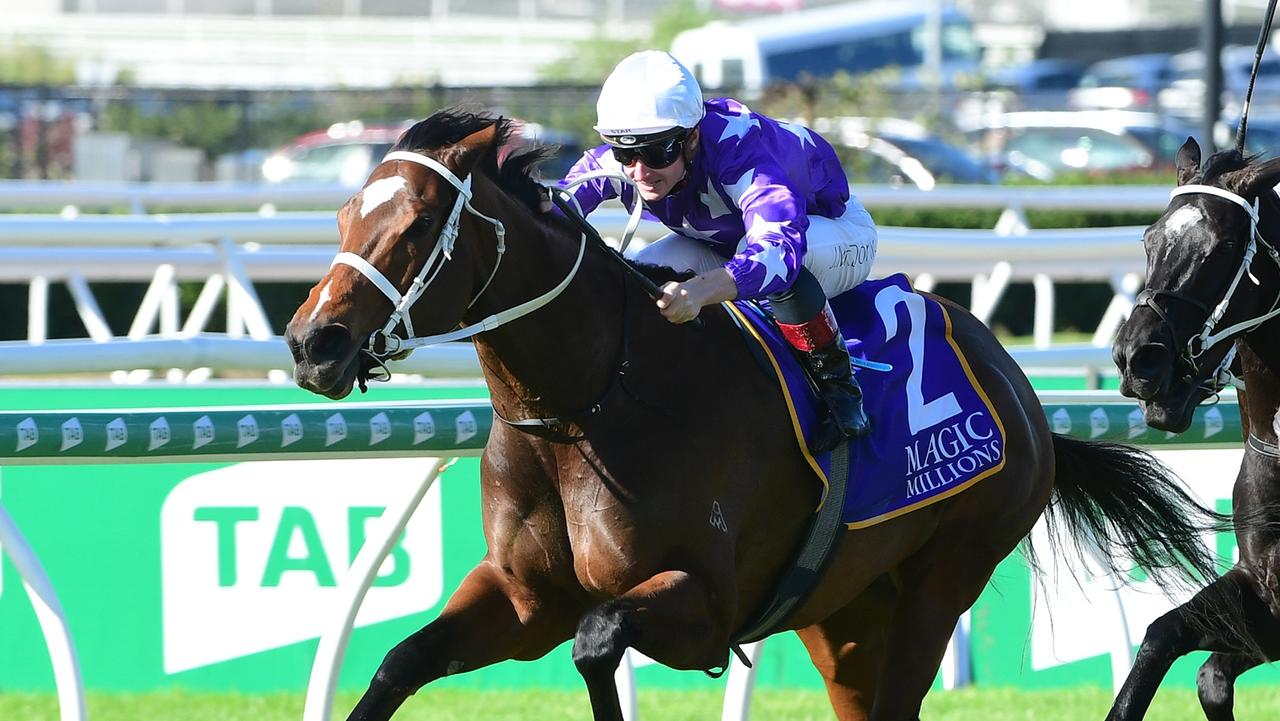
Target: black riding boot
806,321
824,352
840,390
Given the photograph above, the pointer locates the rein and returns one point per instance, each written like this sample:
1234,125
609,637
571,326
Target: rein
385,342
557,428
1198,344
393,344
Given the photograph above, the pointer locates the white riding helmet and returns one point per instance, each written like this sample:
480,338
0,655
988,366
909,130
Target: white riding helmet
646,96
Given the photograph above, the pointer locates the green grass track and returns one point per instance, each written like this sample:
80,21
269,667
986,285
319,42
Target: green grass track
1087,704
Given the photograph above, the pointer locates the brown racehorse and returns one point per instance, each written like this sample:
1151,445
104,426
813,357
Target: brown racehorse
1213,284
599,531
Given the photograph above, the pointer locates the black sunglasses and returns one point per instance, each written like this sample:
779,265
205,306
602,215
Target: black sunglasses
655,155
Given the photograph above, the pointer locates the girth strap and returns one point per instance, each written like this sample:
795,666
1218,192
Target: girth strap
821,539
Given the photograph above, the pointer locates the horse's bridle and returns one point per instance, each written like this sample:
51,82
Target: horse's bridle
1199,343
384,342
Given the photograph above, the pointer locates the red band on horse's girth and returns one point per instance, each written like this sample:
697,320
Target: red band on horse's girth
813,334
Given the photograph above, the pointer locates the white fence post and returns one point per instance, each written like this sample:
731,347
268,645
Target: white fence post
742,681
53,622
333,642
38,310
624,678
956,669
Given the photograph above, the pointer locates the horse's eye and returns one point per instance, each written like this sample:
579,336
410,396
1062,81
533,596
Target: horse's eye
420,224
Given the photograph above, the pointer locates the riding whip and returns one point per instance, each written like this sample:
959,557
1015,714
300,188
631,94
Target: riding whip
1253,74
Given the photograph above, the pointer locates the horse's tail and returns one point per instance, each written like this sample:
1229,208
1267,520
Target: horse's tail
1128,506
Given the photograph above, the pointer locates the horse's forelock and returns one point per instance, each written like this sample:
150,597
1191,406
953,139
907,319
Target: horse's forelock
445,128
1222,162
448,127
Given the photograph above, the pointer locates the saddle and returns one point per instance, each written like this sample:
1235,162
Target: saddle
935,432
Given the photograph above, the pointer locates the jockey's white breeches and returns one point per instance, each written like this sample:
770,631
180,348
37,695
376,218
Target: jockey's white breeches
841,250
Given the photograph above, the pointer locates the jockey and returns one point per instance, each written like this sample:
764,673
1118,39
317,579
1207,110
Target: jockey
757,208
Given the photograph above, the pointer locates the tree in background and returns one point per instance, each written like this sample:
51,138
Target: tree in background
591,60
30,65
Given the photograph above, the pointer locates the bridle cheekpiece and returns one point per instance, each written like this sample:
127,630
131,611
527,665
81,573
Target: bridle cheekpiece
385,342
1198,344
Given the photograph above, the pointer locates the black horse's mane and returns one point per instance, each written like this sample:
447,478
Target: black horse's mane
517,174
1224,161
1227,161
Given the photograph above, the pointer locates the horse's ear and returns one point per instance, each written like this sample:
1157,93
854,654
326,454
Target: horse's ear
1252,180
344,217
1188,161
473,147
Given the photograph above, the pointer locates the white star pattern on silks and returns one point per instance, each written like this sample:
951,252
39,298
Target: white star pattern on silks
713,202
739,187
770,257
737,126
801,132
761,227
692,232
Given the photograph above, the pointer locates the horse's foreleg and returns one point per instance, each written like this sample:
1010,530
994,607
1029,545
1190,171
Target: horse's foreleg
1216,683
1224,610
668,618
1168,638
483,623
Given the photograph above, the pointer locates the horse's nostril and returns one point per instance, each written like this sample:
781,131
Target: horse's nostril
1150,360
295,345
327,343
1149,369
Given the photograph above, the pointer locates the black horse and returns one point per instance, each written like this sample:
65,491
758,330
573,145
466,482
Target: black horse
1208,313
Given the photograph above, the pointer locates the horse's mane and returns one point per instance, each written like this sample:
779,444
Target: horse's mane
1229,160
517,173
1223,161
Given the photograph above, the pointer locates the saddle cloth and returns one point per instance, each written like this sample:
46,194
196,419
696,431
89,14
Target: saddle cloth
934,431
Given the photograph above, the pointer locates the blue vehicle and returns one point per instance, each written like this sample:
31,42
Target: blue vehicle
901,153
1132,82
1039,76
855,38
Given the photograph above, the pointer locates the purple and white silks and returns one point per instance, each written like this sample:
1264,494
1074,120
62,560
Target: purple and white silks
753,179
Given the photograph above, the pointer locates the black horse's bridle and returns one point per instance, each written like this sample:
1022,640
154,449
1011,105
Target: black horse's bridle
1199,343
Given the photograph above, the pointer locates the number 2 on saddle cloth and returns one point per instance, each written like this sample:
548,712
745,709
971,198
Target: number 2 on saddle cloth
936,432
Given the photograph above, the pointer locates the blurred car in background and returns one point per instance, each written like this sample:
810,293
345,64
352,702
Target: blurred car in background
1261,138
1044,144
1185,96
1046,75
345,153
1132,82
900,153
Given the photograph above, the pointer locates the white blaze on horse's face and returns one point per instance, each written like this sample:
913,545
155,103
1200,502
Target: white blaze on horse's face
1183,217
325,297
379,192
